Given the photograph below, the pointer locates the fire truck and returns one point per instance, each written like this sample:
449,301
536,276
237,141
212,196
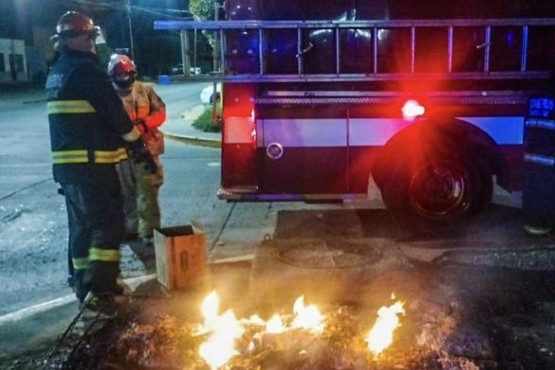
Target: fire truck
425,100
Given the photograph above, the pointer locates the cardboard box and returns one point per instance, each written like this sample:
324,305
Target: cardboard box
180,256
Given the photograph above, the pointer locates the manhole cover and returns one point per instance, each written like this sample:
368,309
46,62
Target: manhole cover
329,254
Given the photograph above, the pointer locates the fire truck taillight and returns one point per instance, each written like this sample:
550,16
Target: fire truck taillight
412,109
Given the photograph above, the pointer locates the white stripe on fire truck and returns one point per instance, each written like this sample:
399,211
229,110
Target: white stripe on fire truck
541,123
539,159
326,132
507,130
330,132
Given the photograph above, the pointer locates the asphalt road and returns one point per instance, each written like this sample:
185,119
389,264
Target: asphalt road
298,237
33,223
33,231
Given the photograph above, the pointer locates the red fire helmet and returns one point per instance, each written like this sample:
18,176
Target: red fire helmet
72,24
120,63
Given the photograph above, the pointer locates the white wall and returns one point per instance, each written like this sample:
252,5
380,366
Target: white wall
17,48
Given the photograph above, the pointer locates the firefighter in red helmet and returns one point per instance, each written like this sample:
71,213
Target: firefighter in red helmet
73,24
140,188
88,130
123,65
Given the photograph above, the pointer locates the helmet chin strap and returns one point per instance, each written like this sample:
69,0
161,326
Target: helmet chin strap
125,84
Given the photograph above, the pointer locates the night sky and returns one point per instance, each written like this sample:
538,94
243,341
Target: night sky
155,52
17,17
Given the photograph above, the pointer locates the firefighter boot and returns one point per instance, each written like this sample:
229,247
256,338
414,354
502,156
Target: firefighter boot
99,307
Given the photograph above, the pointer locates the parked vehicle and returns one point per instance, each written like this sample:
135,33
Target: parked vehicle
178,70
428,101
208,94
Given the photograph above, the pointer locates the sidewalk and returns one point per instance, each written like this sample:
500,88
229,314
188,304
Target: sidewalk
37,328
183,130
178,129
16,95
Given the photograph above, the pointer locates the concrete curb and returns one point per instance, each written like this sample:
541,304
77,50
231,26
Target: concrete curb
187,118
40,326
55,303
192,140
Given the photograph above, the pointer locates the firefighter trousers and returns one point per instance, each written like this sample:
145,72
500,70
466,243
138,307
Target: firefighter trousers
96,227
128,178
141,196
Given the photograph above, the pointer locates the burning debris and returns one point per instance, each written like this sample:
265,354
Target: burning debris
304,339
197,335
303,336
344,338
441,326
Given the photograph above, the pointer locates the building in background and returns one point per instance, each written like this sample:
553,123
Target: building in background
13,61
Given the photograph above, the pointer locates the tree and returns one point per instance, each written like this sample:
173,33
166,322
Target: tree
202,9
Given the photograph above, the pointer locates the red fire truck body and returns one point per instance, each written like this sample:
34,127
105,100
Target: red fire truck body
428,104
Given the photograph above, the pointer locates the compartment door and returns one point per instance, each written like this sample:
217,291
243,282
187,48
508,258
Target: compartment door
303,155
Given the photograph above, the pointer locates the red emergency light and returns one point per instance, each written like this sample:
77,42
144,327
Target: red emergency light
412,109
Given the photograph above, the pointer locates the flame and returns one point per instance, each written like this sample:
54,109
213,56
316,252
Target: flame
381,335
307,317
224,330
275,325
210,307
255,320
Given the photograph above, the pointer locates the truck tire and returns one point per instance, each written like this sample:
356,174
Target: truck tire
436,196
437,173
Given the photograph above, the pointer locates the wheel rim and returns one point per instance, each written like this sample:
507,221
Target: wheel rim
441,190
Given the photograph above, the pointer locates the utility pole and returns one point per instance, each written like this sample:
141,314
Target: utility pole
128,10
195,50
215,116
216,43
185,58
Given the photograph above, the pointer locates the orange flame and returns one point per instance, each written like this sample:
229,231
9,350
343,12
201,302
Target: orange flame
275,325
381,335
307,317
223,330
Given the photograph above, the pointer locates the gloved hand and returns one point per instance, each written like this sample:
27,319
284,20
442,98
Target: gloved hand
141,125
142,155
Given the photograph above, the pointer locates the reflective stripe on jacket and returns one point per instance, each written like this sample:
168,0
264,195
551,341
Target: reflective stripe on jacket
87,119
81,156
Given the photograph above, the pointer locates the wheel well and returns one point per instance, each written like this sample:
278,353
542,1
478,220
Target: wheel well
435,137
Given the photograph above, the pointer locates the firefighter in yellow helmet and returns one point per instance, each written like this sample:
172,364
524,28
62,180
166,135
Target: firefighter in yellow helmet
140,188
88,130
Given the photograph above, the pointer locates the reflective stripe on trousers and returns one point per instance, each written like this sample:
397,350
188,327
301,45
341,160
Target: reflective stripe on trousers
95,220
